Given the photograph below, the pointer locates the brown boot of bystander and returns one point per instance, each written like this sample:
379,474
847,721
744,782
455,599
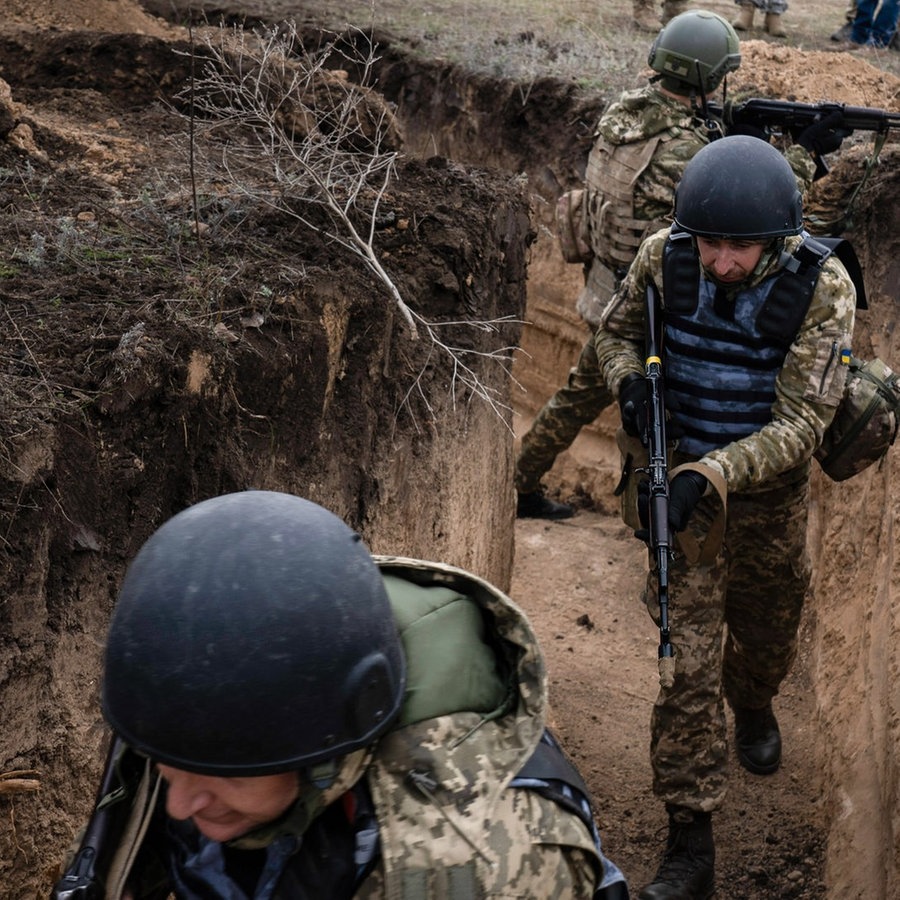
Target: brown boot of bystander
672,8
744,21
645,16
774,25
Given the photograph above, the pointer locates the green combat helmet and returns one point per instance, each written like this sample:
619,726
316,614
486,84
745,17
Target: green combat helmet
694,52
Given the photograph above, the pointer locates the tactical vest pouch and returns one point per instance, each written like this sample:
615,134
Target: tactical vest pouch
865,424
572,227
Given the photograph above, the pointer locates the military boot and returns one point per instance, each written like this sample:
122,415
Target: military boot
534,505
672,8
687,871
774,25
744,21
758,739
645,15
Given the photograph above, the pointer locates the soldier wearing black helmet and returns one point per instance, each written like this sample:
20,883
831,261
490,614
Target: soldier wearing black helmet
297,720
755,315
642,143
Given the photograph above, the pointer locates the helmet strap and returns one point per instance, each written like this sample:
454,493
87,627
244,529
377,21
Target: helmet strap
701,89
313,798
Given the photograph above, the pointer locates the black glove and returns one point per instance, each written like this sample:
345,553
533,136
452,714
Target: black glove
633,404
685,492
824,136
749,130
643,509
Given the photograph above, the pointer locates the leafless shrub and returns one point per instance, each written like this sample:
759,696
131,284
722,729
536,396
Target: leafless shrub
294,133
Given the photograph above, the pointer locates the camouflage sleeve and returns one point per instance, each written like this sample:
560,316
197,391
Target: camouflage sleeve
807,391
803,166
619,340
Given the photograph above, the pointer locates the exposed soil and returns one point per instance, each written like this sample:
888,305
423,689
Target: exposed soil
137,382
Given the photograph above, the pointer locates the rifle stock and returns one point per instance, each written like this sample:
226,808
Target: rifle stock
84,877
658,477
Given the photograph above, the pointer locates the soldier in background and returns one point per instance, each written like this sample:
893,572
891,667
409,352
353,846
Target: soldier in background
642,143
754,315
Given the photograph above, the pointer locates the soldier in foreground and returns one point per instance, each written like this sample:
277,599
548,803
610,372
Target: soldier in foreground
755,316
294,719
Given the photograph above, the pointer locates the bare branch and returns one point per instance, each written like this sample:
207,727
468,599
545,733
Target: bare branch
297,135
322,137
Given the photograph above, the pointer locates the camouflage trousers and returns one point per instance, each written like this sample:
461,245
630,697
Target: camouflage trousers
559,420
734,630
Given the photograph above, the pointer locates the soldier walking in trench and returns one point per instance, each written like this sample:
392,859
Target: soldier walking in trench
291,724
754,315
643,142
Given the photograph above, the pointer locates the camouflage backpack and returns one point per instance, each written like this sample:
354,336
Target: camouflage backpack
865,424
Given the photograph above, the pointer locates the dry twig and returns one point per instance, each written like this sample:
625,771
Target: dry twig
19,781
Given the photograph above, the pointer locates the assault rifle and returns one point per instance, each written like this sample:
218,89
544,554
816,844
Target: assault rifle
85,877
779,116
660,537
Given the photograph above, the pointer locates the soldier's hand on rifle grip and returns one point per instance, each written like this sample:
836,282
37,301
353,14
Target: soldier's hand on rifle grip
824,136
633,404
685,492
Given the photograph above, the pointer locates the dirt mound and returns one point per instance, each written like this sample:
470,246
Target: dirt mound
125,16
811,76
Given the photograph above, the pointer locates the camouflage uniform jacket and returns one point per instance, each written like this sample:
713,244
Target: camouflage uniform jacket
808,387
450,823
451,819
641,145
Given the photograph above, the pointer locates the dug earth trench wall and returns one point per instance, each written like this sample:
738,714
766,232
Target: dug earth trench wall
545,132
119,411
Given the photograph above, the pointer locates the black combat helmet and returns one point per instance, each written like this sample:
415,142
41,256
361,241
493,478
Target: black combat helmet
741,188
694,52
252,635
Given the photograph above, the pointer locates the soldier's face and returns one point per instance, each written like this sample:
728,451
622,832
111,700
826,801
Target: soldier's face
226,808
730,261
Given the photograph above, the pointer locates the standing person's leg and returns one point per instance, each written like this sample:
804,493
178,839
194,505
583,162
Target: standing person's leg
885,23
584,396
645,15
843,33
744,20
862,24
775,9
688,747
768,584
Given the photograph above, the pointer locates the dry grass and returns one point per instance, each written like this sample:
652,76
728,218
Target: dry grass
590,42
